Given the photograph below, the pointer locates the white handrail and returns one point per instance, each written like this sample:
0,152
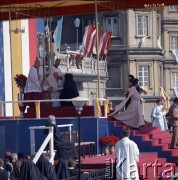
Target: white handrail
49,139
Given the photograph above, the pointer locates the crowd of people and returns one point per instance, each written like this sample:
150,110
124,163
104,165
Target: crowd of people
59,86
20,167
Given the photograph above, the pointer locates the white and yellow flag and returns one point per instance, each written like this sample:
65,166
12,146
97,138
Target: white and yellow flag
166,97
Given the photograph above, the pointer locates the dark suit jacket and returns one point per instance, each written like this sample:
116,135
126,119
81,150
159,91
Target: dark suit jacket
173,113
3,174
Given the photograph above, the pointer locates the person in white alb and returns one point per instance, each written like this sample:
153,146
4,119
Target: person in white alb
158,115
127,154
32,88
56,82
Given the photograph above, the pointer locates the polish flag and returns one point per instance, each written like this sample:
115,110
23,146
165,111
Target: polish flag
105,43
91,42
86,38
103,37
99,37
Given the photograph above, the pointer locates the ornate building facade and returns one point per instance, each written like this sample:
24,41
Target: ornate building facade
144,43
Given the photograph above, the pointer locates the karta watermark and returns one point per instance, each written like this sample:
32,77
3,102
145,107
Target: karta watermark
166,170
109,168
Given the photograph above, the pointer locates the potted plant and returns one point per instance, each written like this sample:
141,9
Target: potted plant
20,80
72,60
109,142
78,60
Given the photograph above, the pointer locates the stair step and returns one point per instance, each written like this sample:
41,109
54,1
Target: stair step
149,130
166,139
155,142
145,137
159,135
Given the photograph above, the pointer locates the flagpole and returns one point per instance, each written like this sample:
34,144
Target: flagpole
97,54
10,35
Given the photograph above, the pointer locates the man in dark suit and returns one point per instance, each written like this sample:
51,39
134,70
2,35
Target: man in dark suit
173,113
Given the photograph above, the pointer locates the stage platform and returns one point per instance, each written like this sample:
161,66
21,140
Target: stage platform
15,133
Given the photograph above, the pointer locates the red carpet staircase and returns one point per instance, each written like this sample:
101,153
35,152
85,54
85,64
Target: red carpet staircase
152,140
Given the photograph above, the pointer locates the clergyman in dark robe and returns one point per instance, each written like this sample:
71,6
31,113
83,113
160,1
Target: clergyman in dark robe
65,150
69,90
28,171
46,168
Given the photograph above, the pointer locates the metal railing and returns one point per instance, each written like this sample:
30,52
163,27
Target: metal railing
88,65
100,174
38,102
48,139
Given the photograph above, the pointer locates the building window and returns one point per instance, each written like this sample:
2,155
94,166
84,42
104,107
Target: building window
174,42
143,76
174,80
173,8
142,25
112,25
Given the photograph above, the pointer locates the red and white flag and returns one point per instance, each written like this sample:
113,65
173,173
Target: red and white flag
91,42
99,37
102,40
107,46
105,43
86,37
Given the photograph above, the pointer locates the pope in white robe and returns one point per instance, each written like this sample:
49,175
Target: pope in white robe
56,69
127,154
51,84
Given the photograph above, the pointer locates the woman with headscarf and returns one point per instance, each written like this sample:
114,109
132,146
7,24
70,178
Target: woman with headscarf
69,90
132,116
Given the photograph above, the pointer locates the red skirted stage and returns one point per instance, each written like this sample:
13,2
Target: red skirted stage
153,143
